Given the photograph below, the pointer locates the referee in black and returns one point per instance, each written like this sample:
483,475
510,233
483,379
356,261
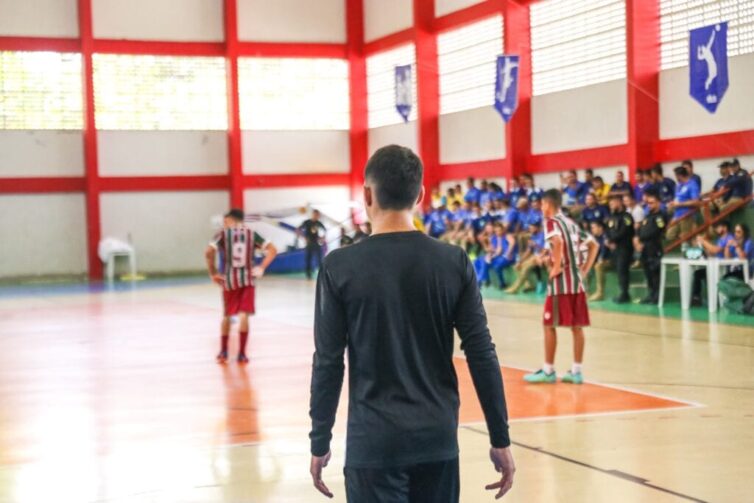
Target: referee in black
313,231
393,301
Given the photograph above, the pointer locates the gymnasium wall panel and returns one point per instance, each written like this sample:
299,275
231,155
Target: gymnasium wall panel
172,20
292,20
170,230
145,153
443,7
39,18
708,169
26,153
472,135
385,17
681,115
404,134
552,180
585,117
331,200
43,234
266,152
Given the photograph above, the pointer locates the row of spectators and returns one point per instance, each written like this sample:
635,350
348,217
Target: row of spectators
503,229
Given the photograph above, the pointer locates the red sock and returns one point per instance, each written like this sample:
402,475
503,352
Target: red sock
242,347
224,343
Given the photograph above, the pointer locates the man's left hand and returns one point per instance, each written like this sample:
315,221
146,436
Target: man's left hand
317,464
257,272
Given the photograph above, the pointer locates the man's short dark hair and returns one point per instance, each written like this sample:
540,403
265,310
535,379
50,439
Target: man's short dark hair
396,175
735,162
681,171
554,197
653,193
724,165
236,214
687,162
657,169
590,171
724,223
598,179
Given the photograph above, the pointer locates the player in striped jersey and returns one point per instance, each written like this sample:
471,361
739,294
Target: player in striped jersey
236,244
565,305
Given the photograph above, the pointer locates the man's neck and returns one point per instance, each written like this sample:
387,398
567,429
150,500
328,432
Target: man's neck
385,222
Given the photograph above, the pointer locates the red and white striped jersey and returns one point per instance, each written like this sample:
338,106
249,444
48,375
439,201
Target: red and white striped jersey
569,281
236,246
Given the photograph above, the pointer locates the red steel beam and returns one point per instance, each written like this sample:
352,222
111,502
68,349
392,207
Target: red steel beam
577,159
295,180
164,183
235,161
291,50
91,168
40,44
477,169
517,40
357,82
150,47
427,92
42,185
701,147
642,72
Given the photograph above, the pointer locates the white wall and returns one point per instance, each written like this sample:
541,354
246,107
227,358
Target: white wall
681,115
42,234
144,153
39,18
472,135
170,230
443,7
332,200
707,169
552,180
296,152
384,17
292,20
586,117
41,153
404,134
185,20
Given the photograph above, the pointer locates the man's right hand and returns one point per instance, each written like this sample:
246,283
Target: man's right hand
502,459
218,278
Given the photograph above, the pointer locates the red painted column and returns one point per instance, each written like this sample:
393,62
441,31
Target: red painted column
517,40
92,186
235,166
642,71
428,92
357,82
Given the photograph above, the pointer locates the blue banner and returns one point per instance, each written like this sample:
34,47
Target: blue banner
403,91
506,86
708,64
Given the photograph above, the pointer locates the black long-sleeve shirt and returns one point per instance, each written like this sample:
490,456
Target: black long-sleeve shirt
393,301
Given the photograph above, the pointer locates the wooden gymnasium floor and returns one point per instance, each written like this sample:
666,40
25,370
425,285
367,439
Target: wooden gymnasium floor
114,396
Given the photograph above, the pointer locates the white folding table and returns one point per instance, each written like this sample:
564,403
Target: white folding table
686,268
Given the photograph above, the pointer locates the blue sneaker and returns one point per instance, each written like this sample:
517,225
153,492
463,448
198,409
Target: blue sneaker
572,378
541,377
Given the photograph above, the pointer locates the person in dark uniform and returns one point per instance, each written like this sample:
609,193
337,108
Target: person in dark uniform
649,242
620,235
313,232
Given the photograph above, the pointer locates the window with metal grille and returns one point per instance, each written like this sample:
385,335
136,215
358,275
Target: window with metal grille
40,90
677,17
293,94
160,92
466,58
381,85
577,43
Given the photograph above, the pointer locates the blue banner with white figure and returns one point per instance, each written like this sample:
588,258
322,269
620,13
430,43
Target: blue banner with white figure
708,64
506,85
403,94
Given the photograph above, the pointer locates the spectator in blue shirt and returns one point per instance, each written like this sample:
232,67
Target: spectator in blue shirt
665,186
437,221
711,249
690,167
641,185
720,194
529,189
472,192
621,186
685,202
738,184
485,195
574,195
531,259
740,247
534,215
593,212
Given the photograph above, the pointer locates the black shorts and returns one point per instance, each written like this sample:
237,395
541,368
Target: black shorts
436,482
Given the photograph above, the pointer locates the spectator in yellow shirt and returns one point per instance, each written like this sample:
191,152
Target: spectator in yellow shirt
601,190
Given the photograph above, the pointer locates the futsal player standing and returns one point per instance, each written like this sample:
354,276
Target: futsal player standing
394,300
236,244
565,305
